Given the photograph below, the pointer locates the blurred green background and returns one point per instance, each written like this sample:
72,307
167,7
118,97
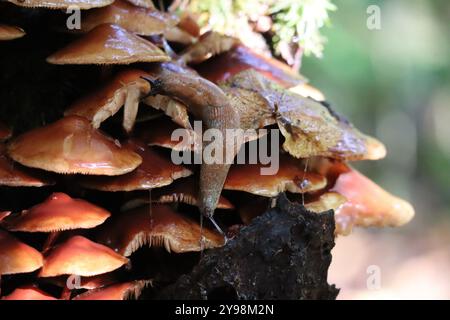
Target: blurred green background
394,83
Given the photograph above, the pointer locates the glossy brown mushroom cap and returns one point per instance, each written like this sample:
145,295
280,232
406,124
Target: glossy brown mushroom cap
10,32
62,4
82,257
17,257
108,44
13,175
72,145
156,226
139,20
28,293
121,291
291,177
58,213
155,171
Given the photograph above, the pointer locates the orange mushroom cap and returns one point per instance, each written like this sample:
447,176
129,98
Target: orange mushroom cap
62,4
156,226
368,205
126,88
82,257
10,32
28,293
17,257
72,145
121,291
154,172
58,213
108,44
291,177
13,175
139,20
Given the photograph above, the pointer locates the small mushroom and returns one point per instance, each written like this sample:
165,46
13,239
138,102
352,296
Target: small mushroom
82,257
367,205
121,291
13,175
71,145
28,293
62,4
10,32
157,226
16,256
125,89
138,20
155,171
58,213
291,176
108,44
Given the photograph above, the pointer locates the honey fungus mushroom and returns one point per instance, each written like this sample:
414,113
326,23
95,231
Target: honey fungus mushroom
108,44
71,145
82,257
156,226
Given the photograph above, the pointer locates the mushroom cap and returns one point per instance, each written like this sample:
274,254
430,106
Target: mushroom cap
17,257
240,58
157,225
13,175
368,205
62,4
72,145
154,172
108,44
10,32
106,101
28,293
58,213
159,133
185,191
310,128
178,35
139,20
291,177
121,291
82,257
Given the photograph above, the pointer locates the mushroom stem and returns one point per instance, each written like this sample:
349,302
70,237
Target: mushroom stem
210,104
50,240
131,108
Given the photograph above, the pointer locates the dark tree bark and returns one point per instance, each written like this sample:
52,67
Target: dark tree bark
283,254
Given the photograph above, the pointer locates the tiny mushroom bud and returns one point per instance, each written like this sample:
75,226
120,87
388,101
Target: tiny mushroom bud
108,44
82,257
71,145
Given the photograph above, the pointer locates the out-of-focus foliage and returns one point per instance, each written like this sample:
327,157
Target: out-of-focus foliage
291,21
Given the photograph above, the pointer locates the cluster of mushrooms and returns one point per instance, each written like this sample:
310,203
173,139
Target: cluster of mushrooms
69,248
